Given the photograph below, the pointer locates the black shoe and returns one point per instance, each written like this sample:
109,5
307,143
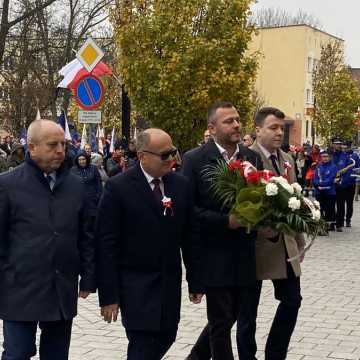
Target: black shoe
348,224
339,229
332,227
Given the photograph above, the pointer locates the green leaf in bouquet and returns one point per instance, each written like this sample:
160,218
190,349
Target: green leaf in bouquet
282,199
224,184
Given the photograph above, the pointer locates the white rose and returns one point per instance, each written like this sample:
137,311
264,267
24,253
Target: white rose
279,180
288,188
297,187
317,204
294,203
271,189
316,215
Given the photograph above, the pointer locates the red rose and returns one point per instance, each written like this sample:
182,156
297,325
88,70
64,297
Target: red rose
266,175
235,165
253,178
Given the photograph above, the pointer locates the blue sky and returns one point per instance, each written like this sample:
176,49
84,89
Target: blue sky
339,18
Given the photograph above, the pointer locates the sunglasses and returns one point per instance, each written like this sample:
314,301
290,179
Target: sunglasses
165,155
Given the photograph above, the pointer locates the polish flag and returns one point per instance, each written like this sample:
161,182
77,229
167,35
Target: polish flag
74,70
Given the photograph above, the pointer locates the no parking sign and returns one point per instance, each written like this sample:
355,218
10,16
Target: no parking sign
89,92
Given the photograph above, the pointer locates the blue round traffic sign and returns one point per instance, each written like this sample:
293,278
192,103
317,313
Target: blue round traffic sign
89,92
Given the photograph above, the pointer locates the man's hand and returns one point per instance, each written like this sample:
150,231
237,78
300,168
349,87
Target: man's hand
233,223
110,312
84,294
195,298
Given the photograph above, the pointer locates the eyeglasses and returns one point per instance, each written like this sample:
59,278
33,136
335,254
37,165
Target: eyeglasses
163,156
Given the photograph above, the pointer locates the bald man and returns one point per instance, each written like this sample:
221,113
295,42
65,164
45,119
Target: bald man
44,247
143,226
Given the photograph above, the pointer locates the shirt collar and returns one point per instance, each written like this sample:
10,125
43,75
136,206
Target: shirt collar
52,175
266,152
225,154
148,177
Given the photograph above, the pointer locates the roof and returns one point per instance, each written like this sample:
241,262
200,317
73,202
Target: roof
300,25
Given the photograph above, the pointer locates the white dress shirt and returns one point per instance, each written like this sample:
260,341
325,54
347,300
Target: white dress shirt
268,154
225,154
150,178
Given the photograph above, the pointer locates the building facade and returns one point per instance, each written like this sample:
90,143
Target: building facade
288,56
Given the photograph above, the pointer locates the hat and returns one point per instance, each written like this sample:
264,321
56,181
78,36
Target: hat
348,143
324,152
337,141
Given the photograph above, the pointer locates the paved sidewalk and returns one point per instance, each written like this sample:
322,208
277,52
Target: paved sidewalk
328,326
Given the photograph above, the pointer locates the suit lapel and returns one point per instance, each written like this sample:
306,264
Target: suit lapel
212,151
267,163
144,190
281,163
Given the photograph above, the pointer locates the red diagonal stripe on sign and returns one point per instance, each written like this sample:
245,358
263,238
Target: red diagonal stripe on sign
88,91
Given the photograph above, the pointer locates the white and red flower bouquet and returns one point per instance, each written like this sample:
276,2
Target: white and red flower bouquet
262,199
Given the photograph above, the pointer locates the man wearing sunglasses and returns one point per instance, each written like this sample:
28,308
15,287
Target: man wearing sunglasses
144,222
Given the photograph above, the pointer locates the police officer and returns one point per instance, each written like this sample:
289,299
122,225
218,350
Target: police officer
324,186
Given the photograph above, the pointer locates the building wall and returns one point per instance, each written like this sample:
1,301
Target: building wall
288,56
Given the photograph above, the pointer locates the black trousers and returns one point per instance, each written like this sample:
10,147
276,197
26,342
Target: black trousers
344,196
149,345
225,306
287,291
349,202
327,205
20,337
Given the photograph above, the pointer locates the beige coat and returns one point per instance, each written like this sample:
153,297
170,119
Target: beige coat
271,257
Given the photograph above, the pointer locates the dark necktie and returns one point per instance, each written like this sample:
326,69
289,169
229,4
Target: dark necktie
274,163
157,190
51,182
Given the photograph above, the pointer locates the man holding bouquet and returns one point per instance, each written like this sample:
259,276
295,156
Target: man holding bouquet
228,250
272,251
272,256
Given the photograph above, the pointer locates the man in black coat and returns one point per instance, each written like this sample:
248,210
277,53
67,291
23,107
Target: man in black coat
44,246
144,220
228,251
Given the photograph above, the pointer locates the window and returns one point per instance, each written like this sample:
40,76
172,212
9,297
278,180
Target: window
308,96
315,64
307,128
310,65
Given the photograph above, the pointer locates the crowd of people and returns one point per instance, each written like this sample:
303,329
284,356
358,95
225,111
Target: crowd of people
124,221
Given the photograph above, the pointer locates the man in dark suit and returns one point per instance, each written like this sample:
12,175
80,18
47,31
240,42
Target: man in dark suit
228,251
144,221
44,246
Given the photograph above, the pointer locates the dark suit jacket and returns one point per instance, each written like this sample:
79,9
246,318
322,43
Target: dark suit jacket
228,256
139,260
44,245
